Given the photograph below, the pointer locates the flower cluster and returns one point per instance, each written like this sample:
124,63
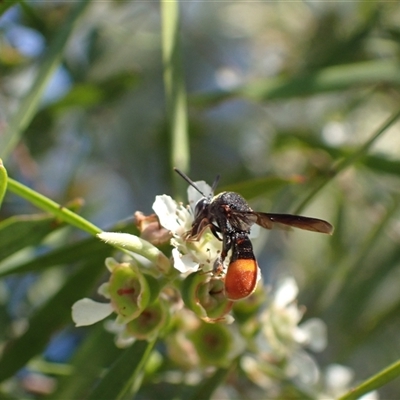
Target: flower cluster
281,341
137,288
181,298
133,296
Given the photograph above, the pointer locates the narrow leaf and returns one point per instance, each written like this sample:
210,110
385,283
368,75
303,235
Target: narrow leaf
348,161
329,79
51,316
100,349
122,375
21,231
3,181
207,387
29,105
252,188
65,255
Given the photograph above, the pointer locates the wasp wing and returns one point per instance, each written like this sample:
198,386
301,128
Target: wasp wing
242,220
269,221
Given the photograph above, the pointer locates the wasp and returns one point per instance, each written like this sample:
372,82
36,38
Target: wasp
229,217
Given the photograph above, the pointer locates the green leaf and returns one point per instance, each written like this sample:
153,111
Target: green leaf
124,373
51,316
358,289
4,6
365,286
348,161
260,186
64,255
372,161
67,254
21,231
343,280
91,94
207,386
100,349
29,105
341,77
3,181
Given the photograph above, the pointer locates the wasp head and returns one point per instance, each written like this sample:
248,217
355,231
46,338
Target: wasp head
201,208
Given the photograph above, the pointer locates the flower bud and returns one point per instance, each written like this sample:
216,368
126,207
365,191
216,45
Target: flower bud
204,295
151,229
213,344
130,291
149,323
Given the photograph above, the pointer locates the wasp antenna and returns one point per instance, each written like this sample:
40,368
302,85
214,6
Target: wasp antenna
215,184
188,180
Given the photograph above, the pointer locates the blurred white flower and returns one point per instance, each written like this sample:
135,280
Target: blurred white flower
280,323
281,340
337,379
285,293
302,368
313,334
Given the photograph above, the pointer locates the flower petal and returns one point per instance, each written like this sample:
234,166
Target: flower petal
184,263
303,367
286,292
165,208
316,334
87,312
338,378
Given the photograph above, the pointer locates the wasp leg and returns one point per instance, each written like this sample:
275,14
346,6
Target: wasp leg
219,262
215,231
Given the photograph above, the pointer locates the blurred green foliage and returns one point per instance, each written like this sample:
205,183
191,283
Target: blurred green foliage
278,95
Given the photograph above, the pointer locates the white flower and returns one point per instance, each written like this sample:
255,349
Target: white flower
188,256
279,320
338,379
87,311
286,293
303,368
313,334
127,289
280,323
282,339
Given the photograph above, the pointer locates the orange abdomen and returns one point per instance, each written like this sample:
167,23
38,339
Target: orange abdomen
241,278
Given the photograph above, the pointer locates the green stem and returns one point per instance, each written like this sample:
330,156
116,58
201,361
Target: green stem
175,92
373,383
52,207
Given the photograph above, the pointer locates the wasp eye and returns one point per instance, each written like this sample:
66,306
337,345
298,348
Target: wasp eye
201,205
